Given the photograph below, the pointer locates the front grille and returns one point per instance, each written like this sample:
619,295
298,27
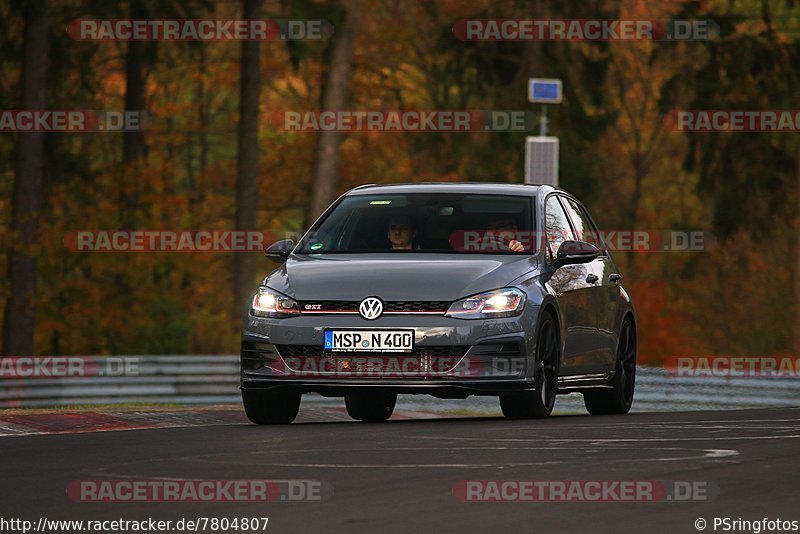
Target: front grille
329,306
416,306
258,349
256,354
506,349
444,351
351,306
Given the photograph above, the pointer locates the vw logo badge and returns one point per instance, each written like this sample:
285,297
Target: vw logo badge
370,308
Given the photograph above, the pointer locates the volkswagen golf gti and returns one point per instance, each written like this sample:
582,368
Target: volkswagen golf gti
451,290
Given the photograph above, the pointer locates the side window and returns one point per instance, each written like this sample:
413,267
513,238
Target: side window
585,230
556,225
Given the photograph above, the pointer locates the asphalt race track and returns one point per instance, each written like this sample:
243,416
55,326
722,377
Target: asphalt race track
400,476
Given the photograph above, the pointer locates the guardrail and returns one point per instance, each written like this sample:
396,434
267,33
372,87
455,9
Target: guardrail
215,380
156,379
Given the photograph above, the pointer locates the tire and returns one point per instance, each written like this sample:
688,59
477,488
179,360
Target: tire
538,403
370,406
270,407
619,398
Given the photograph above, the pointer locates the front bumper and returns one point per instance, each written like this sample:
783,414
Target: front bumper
448,389
451,358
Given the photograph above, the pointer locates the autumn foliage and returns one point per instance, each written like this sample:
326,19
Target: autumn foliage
738,297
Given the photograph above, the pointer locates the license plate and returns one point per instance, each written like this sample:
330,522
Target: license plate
369,340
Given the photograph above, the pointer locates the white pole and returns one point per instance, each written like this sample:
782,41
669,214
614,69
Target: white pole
543,122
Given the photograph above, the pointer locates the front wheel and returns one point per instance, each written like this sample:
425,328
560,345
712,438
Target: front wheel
270,407
538,403
619,398
370,406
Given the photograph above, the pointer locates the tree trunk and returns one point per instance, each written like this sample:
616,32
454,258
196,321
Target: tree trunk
203,115
18,321
797,267
336,98
132,145
247,175
132,142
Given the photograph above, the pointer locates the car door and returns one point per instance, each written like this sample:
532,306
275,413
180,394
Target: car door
605,287
570,287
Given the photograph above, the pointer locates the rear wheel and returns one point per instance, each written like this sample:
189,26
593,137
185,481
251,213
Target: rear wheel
270,407
538,403
370,406
619,398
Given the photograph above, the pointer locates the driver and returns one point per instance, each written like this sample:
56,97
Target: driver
504,232
401,233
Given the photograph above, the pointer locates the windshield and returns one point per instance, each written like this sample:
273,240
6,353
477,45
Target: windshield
425,222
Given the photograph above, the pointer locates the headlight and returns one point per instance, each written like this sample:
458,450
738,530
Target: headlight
505,302
270,303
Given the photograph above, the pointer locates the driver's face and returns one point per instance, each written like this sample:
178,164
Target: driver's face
505,228
399,232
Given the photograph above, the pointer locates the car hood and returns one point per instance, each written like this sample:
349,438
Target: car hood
395,277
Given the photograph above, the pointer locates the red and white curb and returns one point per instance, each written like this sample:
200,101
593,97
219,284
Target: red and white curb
38,422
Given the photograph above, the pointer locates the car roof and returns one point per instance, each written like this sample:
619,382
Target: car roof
453,187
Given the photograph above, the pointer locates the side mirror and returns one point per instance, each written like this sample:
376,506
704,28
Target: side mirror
279,250
573,252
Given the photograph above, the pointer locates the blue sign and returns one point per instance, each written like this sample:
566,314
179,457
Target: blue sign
544,90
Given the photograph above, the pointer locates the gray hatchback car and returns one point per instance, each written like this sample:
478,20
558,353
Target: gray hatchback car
451,290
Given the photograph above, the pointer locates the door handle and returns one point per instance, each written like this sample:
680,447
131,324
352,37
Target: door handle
614,277
591,278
